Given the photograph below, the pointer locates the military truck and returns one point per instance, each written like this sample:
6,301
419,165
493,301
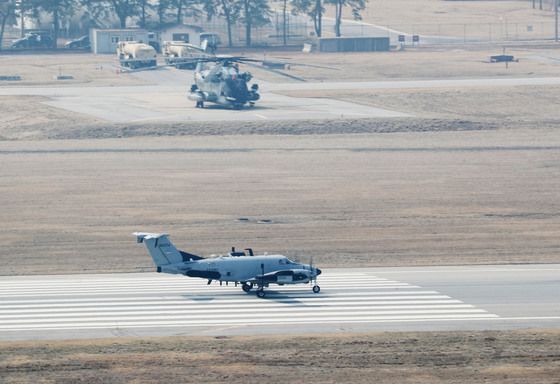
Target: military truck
133,54
182,55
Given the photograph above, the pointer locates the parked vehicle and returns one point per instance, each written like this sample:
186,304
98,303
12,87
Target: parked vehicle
183,55
79,43
34,40
133,54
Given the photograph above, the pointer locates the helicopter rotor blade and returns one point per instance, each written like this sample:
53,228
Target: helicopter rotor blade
313,66
276,71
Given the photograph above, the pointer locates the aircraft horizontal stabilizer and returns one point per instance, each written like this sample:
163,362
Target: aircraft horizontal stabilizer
140,236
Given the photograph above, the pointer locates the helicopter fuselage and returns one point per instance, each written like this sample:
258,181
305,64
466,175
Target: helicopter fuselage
222,83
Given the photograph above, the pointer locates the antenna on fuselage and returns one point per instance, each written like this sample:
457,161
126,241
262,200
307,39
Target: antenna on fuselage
250,250
234,253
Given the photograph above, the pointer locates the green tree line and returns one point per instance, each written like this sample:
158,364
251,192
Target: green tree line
155,13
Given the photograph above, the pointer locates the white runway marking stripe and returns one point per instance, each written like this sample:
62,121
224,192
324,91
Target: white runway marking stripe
25,308
105,287
146,277
205,318
156,290
180,281
230,297
194,309
154,300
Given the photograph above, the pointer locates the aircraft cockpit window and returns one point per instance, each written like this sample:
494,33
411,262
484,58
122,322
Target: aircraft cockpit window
281,261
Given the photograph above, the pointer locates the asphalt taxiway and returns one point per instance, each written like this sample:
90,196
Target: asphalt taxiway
366,299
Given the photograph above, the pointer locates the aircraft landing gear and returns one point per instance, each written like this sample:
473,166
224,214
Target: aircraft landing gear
316,289
260,293
247,287
200,104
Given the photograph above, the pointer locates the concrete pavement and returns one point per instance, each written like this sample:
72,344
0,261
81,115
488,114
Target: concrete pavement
366,299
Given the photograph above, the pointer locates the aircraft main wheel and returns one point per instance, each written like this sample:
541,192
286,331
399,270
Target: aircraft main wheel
247,287
316,289
260,293
200,104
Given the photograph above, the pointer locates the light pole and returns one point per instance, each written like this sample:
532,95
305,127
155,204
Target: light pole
556,20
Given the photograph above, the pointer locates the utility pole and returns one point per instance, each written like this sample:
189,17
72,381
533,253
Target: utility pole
22,17
284,31
556,20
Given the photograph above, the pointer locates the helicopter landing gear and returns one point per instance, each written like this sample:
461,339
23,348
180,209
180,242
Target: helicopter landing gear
247,287
316,289
200,104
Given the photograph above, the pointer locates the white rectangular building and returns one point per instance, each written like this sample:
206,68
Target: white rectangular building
106,40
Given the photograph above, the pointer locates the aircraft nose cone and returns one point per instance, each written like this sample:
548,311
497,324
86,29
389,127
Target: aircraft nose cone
318,271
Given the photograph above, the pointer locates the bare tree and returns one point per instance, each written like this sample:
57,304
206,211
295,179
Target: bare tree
312,8
228,9
356,6
255,14
122,8
7,17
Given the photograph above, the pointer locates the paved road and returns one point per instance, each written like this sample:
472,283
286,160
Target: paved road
80,306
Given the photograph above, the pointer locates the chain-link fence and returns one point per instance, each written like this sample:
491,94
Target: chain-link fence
299,29
272,34
458,33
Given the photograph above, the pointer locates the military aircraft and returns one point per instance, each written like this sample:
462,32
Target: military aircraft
218,80
237,267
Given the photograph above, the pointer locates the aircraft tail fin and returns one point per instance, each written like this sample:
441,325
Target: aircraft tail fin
162,250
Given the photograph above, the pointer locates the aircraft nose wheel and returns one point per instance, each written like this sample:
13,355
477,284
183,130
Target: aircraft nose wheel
316,289
260,293
247,287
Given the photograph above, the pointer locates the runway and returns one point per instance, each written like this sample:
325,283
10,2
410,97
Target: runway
370,299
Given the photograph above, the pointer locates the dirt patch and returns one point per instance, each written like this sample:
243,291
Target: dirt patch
503,107
459,357
85,68
27,117
416,64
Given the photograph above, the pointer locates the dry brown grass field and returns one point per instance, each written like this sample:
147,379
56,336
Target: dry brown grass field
440,357
412,198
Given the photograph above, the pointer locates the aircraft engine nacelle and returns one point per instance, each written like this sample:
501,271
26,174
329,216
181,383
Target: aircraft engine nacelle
295,276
